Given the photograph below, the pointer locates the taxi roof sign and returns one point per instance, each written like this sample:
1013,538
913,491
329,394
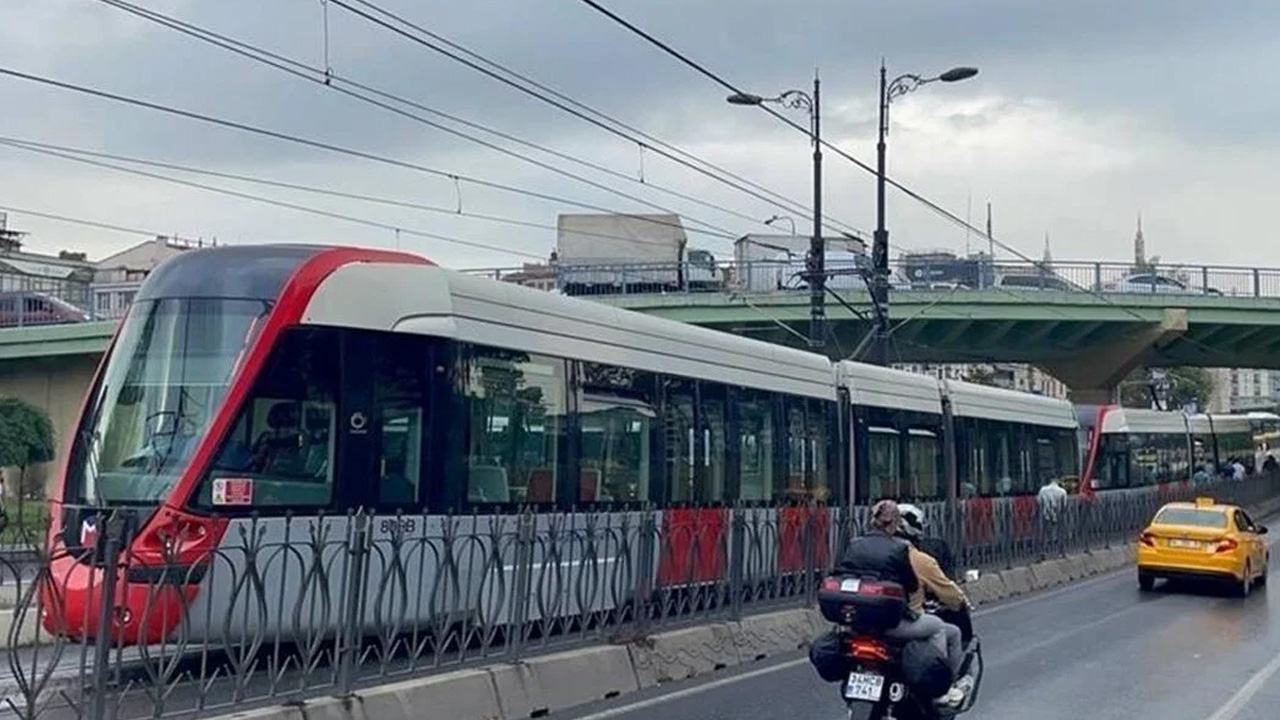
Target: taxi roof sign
1205,502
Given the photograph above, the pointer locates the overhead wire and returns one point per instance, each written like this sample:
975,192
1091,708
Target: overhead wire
550,96
280,203
329,76
318,144
67,152
326,77
79,221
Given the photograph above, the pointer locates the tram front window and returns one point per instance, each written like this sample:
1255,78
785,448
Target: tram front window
166,377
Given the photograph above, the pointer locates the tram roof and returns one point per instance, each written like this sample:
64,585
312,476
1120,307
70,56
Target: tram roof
429,300
1140,420
983,401
877,386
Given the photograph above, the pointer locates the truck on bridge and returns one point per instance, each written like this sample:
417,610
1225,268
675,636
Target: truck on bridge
611,253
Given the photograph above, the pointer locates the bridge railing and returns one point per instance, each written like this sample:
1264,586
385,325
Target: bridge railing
287,608
845,273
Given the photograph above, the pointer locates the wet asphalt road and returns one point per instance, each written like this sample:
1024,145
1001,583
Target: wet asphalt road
1097,650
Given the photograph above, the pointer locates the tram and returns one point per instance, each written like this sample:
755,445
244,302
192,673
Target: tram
251,386
1127,448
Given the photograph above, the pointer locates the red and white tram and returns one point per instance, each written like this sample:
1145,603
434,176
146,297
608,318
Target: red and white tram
248,385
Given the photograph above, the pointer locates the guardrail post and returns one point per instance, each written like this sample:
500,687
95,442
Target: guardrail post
524,539
647,545
1204,277
1097,277
114,531
349,632
1257,284
809,575
737,561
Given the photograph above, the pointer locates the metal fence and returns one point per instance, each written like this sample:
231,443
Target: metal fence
963,275
288,608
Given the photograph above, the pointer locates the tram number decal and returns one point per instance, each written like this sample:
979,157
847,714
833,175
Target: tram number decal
388,525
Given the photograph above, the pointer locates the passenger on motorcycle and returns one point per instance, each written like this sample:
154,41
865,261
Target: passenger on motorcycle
881,553
935,583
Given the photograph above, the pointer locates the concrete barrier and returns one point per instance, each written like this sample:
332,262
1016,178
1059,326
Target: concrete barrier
563,680
987,589
1045,575
682,654
1017,581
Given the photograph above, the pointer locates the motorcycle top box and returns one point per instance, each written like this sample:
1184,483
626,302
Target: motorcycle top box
864,604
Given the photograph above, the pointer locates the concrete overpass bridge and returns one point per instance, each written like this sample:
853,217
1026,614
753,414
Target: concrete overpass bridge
1089,341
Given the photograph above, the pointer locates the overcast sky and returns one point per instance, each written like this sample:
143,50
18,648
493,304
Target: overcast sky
1085,114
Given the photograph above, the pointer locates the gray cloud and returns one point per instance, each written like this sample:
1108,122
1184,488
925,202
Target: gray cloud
1137,95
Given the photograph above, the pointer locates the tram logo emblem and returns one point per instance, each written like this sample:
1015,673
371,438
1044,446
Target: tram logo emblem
358,423
88,532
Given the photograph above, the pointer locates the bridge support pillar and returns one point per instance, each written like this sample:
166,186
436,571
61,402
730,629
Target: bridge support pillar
1094,375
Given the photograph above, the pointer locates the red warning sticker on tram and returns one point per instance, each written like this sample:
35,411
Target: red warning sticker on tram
232,491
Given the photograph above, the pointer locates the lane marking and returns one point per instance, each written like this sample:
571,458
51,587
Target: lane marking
658,700
1241,699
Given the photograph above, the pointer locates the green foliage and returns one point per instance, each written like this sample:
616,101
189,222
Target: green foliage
26,434
1186,385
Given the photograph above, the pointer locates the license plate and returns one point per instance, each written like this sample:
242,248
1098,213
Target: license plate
1188,544
850,585
864,686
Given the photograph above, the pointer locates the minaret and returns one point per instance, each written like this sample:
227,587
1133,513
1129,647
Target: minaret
1139,247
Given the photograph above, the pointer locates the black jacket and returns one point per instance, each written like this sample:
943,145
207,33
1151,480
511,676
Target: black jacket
880,556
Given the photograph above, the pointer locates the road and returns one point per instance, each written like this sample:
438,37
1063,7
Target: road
1097,650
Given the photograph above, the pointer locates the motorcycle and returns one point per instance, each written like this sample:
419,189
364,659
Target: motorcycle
876,686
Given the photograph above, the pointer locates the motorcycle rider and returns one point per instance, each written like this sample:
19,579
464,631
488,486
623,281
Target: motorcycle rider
882,554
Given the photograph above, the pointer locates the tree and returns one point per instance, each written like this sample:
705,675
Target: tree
1187,385
26,438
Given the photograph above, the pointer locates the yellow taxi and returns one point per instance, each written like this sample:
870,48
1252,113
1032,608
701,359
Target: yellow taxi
1203,540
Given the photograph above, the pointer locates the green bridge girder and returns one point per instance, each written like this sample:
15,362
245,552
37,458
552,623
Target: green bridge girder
1045,328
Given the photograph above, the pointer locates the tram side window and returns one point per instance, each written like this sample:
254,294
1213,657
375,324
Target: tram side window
885,463
400,396
678,404
280,452
807,442
516,419
924,480
714,421
616,418
755,445
1113,462
819,431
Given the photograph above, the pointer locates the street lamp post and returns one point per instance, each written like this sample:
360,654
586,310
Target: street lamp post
901,85
800,100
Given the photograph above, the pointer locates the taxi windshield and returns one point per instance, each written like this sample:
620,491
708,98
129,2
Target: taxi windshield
1193,517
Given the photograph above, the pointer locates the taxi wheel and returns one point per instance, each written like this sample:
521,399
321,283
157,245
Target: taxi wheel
1262,577
1146,582
1245,586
